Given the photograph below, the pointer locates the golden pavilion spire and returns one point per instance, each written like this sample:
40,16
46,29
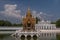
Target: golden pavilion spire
28,12
29,22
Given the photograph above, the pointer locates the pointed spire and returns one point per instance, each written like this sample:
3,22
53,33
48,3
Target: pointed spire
28,8
29,12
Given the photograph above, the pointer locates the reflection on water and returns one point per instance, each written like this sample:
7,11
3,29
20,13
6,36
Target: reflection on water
41,37
47,36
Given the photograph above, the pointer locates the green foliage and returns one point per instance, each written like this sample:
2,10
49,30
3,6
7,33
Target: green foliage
58,23
1,22
53,22
37,19
5,23
17,24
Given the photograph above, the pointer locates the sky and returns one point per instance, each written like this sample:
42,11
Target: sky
14,10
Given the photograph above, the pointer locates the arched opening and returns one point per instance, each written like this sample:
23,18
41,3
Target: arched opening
28,37
22,37
35,37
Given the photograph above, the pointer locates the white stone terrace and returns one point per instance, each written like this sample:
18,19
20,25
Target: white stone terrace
10,30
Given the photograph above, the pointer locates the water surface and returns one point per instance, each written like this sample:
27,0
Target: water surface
8,37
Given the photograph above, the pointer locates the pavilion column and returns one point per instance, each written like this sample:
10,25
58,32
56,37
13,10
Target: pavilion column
31,36
26,36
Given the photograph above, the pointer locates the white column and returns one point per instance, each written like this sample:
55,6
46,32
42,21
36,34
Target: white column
20,36
31,35
37,35
46,27
25,35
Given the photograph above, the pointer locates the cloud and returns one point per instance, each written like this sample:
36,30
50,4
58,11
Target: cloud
11,12
10,7
41,15
34,13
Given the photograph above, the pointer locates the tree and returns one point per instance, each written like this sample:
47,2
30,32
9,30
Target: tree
5,23
17,24
37,19
58,23
53,22
1,22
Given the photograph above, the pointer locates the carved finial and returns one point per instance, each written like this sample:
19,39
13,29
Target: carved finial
29,12
28,9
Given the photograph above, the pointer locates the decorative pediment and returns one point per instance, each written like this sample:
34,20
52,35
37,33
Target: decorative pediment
29,21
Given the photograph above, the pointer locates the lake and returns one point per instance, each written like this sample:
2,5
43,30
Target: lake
8,37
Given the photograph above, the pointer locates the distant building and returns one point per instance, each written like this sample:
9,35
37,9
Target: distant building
45,25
